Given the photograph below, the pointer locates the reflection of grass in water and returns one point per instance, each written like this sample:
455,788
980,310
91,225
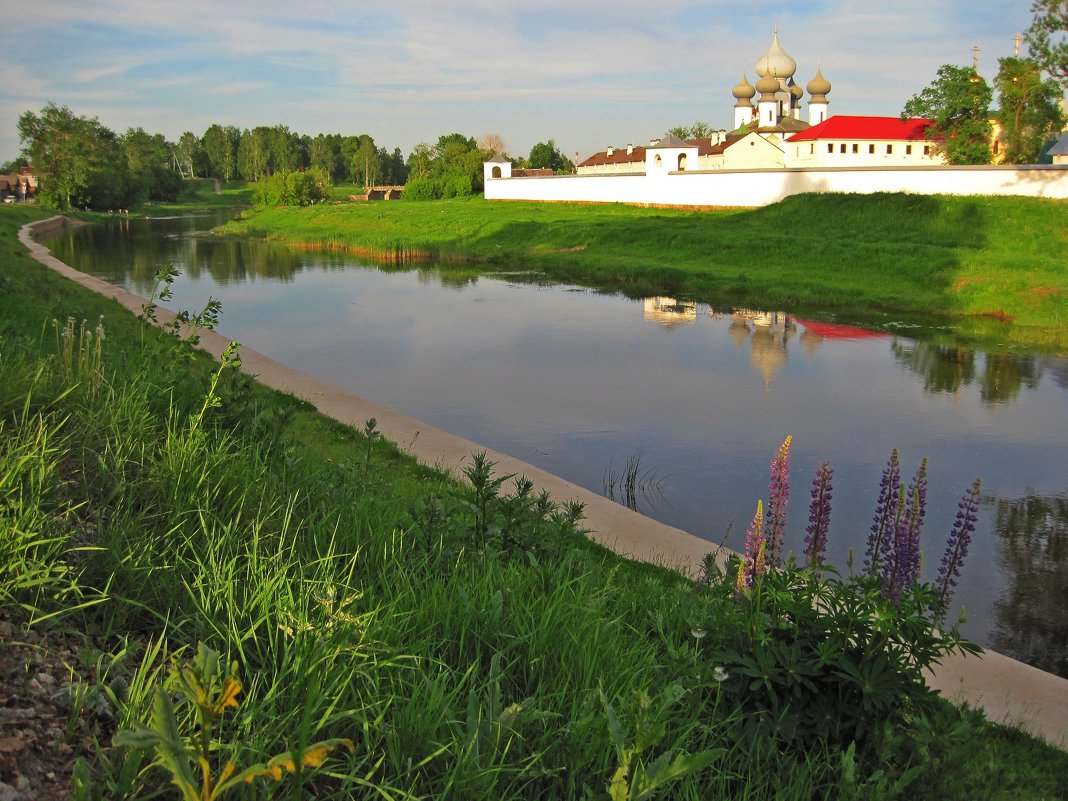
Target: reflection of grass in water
633,483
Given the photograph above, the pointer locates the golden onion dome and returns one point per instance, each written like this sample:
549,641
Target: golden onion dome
819,85
744,90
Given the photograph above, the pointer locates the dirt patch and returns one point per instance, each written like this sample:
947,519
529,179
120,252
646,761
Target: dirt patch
996,314
1045,291
39,744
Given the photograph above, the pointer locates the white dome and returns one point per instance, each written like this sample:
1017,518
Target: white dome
776,62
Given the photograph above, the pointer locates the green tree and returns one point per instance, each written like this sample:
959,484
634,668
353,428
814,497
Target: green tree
220,148
149,162
420,161
284,151
394,170
699,130
78,161
366,162
324,153
253,153
452,167
1047,38
189,152
957,104
1030,112
546,154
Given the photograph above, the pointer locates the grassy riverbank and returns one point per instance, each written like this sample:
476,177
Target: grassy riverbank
990,268
464,636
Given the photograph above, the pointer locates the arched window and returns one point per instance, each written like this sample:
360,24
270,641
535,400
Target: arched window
682,162
659,161
496,172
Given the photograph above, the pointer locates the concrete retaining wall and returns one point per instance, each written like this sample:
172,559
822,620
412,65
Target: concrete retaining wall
761,187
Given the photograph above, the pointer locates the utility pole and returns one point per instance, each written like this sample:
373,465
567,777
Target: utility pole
1016,46
975,58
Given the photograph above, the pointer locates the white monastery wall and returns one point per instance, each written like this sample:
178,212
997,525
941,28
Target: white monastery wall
761,187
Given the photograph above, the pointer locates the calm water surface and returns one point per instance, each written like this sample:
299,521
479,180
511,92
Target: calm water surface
577,382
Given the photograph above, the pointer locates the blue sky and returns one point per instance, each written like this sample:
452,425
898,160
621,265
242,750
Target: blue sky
587,74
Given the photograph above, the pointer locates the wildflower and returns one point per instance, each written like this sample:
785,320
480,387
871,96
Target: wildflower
901,568
819,516
754,547
882,527
778,497
960,538
740,584
915,511
720,674
698,633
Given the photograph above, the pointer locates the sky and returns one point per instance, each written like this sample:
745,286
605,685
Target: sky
585,74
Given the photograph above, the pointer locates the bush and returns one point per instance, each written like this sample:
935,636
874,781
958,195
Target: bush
293,188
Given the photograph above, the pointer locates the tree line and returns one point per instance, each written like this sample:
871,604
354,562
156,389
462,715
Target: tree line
79,162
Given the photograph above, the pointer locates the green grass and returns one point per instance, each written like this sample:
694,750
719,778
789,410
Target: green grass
990,268
467,654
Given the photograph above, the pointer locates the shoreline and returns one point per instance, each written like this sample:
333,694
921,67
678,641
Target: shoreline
1008,690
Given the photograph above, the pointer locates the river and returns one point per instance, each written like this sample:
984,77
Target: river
579,383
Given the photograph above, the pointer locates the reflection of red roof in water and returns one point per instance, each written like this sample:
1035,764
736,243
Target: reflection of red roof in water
837,331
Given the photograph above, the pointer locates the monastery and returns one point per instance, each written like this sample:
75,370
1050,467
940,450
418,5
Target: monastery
772,153
773,135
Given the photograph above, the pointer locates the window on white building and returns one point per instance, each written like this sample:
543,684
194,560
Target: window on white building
908,150
889,150
871,150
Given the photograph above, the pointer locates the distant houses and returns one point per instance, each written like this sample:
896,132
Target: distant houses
19,186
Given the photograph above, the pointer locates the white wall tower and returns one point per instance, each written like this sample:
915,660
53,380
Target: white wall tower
818,88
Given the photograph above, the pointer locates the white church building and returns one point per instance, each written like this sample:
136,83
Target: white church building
772,153
762,132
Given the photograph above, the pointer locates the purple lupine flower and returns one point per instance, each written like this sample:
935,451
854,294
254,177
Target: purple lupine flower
898,557
915,511
778,497
960,538
819,517
880,538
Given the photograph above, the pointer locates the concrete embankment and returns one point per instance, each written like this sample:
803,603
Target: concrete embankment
1008,690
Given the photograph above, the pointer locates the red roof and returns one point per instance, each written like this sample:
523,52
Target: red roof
883,128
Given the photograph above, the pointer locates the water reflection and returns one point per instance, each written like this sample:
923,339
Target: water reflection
948,368
1031,616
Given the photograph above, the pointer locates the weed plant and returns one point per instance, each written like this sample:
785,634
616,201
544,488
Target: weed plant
464,636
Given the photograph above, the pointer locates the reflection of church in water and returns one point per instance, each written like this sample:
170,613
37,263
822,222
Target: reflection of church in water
768,333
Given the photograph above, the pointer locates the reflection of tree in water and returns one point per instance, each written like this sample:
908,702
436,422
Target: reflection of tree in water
1005,373
948,369
1032,615
944,368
